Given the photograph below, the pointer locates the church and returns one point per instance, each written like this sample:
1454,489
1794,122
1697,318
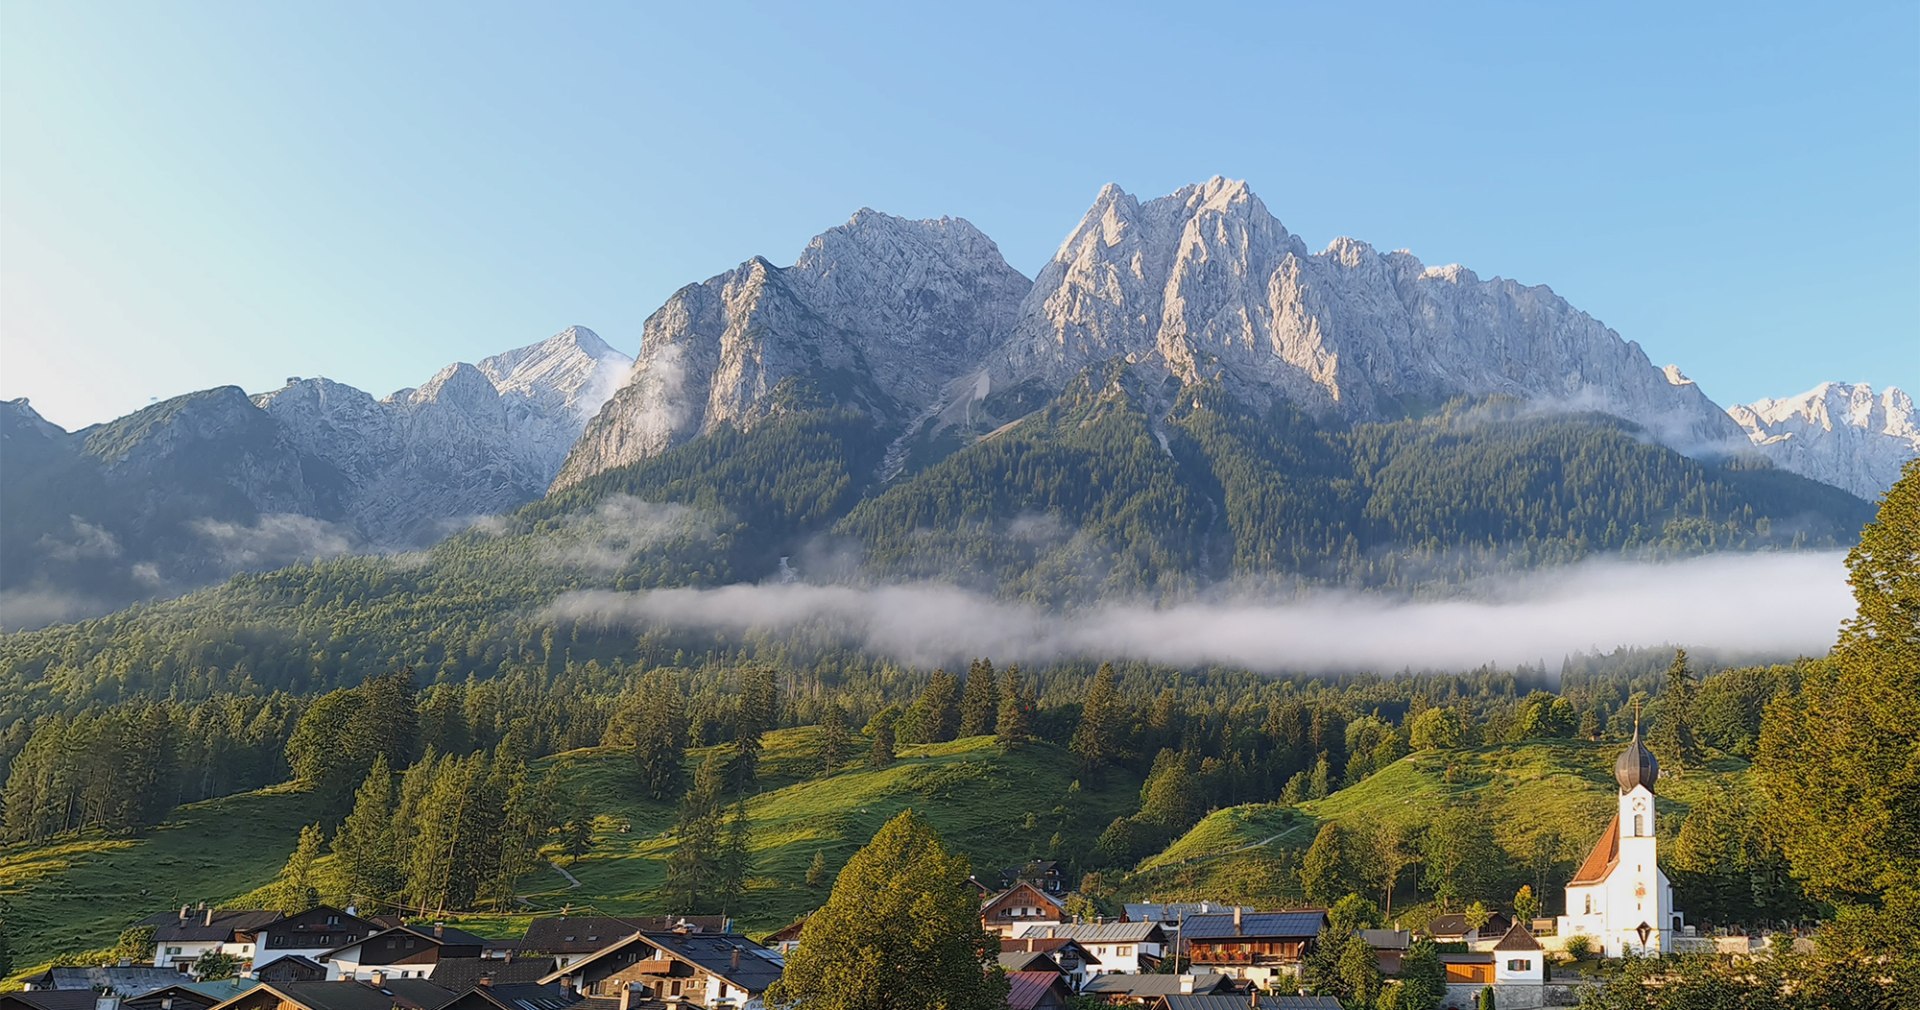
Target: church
1618,896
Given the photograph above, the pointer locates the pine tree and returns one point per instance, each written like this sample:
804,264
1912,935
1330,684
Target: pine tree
900,929
1672,738
1095,740
759,706
881,727
1320,783
935,717
817,870
365,847
1014,725
576,833
833,736
736,860
1326,872
660,736
980,702
295,891
694,868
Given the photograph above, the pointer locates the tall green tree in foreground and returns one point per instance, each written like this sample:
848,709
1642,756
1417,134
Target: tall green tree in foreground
1838,758
295,891
365,846
901,931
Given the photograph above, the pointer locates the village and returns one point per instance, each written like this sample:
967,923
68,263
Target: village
1176,956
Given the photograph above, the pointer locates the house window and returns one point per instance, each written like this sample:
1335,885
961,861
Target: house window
333,920
1519,964
173,950
1123,951
392,944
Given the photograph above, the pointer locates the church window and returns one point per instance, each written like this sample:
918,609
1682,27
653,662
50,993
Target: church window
1638,825
1589,904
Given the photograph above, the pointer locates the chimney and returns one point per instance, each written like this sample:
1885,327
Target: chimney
486,979
378,978
183,913
1053,932
209,917
1237,910
438,929
1253,997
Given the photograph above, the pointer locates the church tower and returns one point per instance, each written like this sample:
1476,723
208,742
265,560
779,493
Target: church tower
1619,897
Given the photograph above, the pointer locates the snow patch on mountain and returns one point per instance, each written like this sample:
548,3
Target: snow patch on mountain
1842,434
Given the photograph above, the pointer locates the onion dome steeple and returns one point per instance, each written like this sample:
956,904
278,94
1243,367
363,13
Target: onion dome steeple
1636,766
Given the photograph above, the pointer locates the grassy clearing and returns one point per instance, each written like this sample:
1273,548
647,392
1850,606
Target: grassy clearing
76,894
1554,793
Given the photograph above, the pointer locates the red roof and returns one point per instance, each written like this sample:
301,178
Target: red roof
1027,988
1604,857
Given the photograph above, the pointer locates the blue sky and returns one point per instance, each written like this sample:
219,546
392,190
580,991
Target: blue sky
194,194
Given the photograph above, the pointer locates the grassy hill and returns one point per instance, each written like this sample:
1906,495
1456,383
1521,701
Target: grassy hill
1553,794
74,895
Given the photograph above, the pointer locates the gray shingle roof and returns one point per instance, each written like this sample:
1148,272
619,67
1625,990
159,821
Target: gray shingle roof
1099,932
460,973
1151,985
1236,1002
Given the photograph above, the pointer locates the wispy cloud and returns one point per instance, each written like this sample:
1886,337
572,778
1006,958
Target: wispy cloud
275,539
608,538
1781,604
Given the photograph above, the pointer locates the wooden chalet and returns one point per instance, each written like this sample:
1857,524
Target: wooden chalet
1013,910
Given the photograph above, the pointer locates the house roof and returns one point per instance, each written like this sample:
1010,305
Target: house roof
220,990
1151,985
584,934
1480,957
1028,960
1388,939
125,980
459,973
790,931
1237,1002
1023,886
196,927
1518,937
1601,860
439,936
297,959
409,993
1176,910
1302,923
1025,989
1045,945
1455,924
753,969
50,999
1098,932
524,996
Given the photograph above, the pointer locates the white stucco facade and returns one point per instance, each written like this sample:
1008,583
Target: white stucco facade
1619,897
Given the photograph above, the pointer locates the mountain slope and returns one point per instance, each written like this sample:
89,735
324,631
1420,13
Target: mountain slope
190,490
878,314
1844,435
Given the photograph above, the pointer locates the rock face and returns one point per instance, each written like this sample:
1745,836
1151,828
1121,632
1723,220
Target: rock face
880,313
1839,434
472,440
206,484
910,320
1206,285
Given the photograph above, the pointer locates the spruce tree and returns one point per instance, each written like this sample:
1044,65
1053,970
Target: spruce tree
1671,737
937,710
1014,725
295,891
980,702
694,868
817,870
759,706
736,860
900,929
882,753
660,736
834,740
365,847
1095,740
1326,872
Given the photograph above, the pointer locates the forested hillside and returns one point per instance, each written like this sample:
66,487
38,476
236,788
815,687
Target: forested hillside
1108,492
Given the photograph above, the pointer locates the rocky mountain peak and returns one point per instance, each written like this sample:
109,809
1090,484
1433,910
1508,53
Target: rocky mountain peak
1844,434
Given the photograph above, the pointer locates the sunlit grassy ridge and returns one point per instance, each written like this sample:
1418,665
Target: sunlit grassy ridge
74,895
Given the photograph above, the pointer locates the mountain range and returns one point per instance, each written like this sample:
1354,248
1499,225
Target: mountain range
191,489
1280,394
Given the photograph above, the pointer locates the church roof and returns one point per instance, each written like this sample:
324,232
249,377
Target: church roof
1603,858
1636,766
